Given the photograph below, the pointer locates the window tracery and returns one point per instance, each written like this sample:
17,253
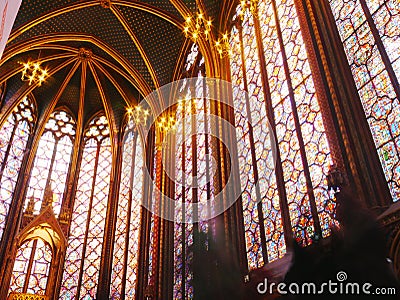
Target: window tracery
52,160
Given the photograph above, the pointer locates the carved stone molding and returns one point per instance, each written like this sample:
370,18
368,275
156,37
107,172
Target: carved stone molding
20,296
105,3
85,54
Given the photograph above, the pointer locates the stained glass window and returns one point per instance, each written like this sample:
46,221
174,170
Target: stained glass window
13,138
31,268
193,182
370,32
289,101
52,160
83,255
126,246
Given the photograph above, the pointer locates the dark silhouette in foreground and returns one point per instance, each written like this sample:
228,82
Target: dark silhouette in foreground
356,250
354,261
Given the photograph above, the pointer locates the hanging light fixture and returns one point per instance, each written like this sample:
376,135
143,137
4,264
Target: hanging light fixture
33,73
166,122
194,27
252,5
138,114
200,25
223,46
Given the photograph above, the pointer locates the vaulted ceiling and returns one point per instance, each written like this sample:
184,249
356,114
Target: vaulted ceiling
100,54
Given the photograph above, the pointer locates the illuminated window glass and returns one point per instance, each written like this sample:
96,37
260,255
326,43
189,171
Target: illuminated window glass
82,259
193,182
370,33
52,160
31,268
304,154
13,138
126,246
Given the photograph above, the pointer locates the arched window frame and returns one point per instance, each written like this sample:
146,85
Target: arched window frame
47,228
96,136
27,255
61,138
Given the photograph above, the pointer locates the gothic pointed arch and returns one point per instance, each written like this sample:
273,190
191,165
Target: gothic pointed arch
36,255
83,255
52,160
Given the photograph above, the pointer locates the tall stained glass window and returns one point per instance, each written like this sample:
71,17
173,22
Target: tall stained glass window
291,197
52,160
370,32
13,138
126,246
193,182
31,268
83,255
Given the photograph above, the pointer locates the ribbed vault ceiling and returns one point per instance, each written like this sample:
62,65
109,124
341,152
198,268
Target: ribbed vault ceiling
132,48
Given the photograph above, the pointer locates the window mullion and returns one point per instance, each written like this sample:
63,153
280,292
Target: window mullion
29,269
270,115
207,152
157,196
194,181
183,238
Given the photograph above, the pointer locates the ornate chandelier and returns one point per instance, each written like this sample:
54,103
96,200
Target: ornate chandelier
248,4
166,122
223,46
33,73
198,26
138,114
194,27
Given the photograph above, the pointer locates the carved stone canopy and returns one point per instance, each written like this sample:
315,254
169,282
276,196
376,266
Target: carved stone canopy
46,227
